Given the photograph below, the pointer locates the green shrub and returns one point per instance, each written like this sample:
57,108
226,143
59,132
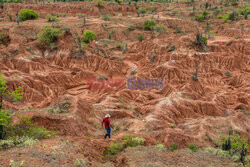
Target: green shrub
200,18
106,17
80,162
64,106
17,141
29,129
149,25
16,164
1,37
193,148
140,37
178,31
142,10
160,146
99,3
236,141
88,36
132,141
128,141
131,27
48,35
219,17
173,147
159,28
27,14
205,13
5,118
235,3
175,11
52,18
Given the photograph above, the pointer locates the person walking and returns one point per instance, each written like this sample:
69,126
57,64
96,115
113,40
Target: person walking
106,122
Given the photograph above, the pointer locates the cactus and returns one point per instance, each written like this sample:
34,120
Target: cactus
2,132
201,41
243,153
125,48
138,13
84,21
227,145
152,57
195,76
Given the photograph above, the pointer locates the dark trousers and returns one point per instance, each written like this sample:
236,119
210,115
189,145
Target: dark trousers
108,132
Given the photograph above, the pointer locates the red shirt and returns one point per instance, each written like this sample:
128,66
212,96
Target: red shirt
106,122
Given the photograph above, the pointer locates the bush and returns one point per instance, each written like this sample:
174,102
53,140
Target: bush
149,25
52,18
131,27
48,35
16,164
29,129
1,37
235,3
88,36
193,148
160,146
99,3
5,118
128,141
200,18
106,17
80,162
173,147
142,10
141,37
219,17
175,11
27,14
160,28
17,141
132,141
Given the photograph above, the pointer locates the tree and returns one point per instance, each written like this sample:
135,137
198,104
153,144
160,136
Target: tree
16,95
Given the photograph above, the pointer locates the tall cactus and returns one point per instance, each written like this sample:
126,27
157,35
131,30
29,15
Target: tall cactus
195,76
227,145
243,153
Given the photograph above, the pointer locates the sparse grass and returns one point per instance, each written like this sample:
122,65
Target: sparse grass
193,147
175,11
172,125
52,18
63,107
80,162
140,38
16,164
131,27
106,17
79,15
128,141
173,147
159,145
61,14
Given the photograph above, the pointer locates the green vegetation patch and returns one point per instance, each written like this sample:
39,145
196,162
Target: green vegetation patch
27,14
48,35
128,141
